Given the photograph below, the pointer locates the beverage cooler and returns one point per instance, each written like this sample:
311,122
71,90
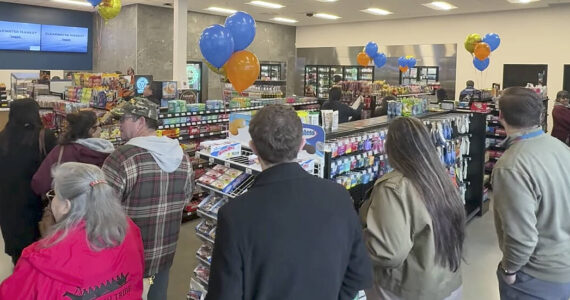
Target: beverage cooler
319,79
270,72
194,78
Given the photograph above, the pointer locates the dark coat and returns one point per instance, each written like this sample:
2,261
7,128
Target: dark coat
561,128
344,111
73,152
20,208
291,236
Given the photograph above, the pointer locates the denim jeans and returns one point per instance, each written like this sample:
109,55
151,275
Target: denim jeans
527,287
159,288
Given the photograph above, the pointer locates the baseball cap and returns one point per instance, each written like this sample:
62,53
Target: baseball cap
138,106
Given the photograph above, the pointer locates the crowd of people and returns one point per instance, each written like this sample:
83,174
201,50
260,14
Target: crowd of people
117,213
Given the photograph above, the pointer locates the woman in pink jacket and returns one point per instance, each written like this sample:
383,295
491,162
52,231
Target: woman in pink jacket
93,251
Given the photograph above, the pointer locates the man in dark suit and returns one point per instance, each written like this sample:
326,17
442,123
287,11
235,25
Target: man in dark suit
292,235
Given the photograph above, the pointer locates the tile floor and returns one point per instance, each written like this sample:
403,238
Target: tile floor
479,281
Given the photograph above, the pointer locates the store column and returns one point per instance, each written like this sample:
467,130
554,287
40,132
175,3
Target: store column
180,43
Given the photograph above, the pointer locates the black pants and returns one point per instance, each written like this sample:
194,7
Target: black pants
15,258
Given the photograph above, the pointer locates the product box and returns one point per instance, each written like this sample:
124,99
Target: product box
226,150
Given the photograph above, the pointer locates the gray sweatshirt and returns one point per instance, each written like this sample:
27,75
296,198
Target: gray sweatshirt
531,186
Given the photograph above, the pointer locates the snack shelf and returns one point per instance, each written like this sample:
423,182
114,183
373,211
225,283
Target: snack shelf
414,95
204,238
239,190
207,112
205,262
202,281
178,125
206,215
238,162
302,103
206,134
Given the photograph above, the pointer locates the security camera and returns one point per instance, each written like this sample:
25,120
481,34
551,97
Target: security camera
310,14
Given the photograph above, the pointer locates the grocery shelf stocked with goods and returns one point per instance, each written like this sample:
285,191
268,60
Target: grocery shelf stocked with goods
355,155
260,89
231,172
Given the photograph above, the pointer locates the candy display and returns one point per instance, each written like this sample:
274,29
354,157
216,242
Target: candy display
222,148
225,181
205,252
202,273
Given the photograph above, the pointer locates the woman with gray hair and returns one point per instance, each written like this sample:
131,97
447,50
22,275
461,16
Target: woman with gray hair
93,250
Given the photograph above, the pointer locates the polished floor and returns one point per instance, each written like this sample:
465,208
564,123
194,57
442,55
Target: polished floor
479,280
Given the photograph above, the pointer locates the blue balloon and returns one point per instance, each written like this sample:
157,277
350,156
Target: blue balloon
493,40
380,60
94,2
371,49
242,27
481,65
217,45
403,61
412,62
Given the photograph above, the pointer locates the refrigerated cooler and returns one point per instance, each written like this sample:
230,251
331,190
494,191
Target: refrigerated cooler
270,72
420,76
194,78
319,79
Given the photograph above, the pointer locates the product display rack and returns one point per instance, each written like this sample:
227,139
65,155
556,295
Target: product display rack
320,78
473,184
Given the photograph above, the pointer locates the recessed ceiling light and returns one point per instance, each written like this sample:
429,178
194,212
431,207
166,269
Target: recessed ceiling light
221,10
440,5
82,3
284,20
327,16
266,4
522,1
377,11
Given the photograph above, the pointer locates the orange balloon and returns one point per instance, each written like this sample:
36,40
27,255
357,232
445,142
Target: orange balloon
363,59
242,69
482,51
403,69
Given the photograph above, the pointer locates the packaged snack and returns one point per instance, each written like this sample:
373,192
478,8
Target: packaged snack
208,203
233,173
214,173
205,252
218,205
206,180
219,184
205,227
220,168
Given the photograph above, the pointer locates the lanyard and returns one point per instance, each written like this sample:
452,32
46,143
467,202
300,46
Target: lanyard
526,136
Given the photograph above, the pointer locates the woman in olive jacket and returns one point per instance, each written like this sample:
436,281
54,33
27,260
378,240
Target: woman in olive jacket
414,221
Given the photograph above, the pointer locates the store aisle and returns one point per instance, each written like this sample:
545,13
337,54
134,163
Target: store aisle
479,280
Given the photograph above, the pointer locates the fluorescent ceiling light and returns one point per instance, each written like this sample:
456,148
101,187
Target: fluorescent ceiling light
377,11
522,1
82,3
221,10
284,20
266,4
440,5
326,16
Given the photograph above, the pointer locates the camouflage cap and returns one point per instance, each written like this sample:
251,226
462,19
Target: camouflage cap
139,106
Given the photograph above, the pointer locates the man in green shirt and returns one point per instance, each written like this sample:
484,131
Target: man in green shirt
531,186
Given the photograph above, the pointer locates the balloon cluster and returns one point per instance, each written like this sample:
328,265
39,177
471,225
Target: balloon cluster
370,53
107,9
223,48
481,48
406,62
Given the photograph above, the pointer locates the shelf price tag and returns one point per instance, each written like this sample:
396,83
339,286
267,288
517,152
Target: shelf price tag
227,164
248,171
211,160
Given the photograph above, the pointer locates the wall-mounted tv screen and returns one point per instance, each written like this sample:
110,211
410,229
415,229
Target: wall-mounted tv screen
20,36
64,39
37,37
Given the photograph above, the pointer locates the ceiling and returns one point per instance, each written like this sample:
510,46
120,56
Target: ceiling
348,10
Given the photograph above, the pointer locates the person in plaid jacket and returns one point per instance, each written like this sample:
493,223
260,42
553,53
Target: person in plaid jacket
153,178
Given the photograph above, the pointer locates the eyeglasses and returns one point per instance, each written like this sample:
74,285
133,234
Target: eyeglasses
50,195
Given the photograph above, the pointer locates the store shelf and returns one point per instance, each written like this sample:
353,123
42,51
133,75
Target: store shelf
239,162
205,262
206,215
204,238
201,135
241,189
414,95
179,125
207,112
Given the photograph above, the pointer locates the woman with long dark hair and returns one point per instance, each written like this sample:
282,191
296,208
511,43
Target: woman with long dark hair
79,143
23,145
414,221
